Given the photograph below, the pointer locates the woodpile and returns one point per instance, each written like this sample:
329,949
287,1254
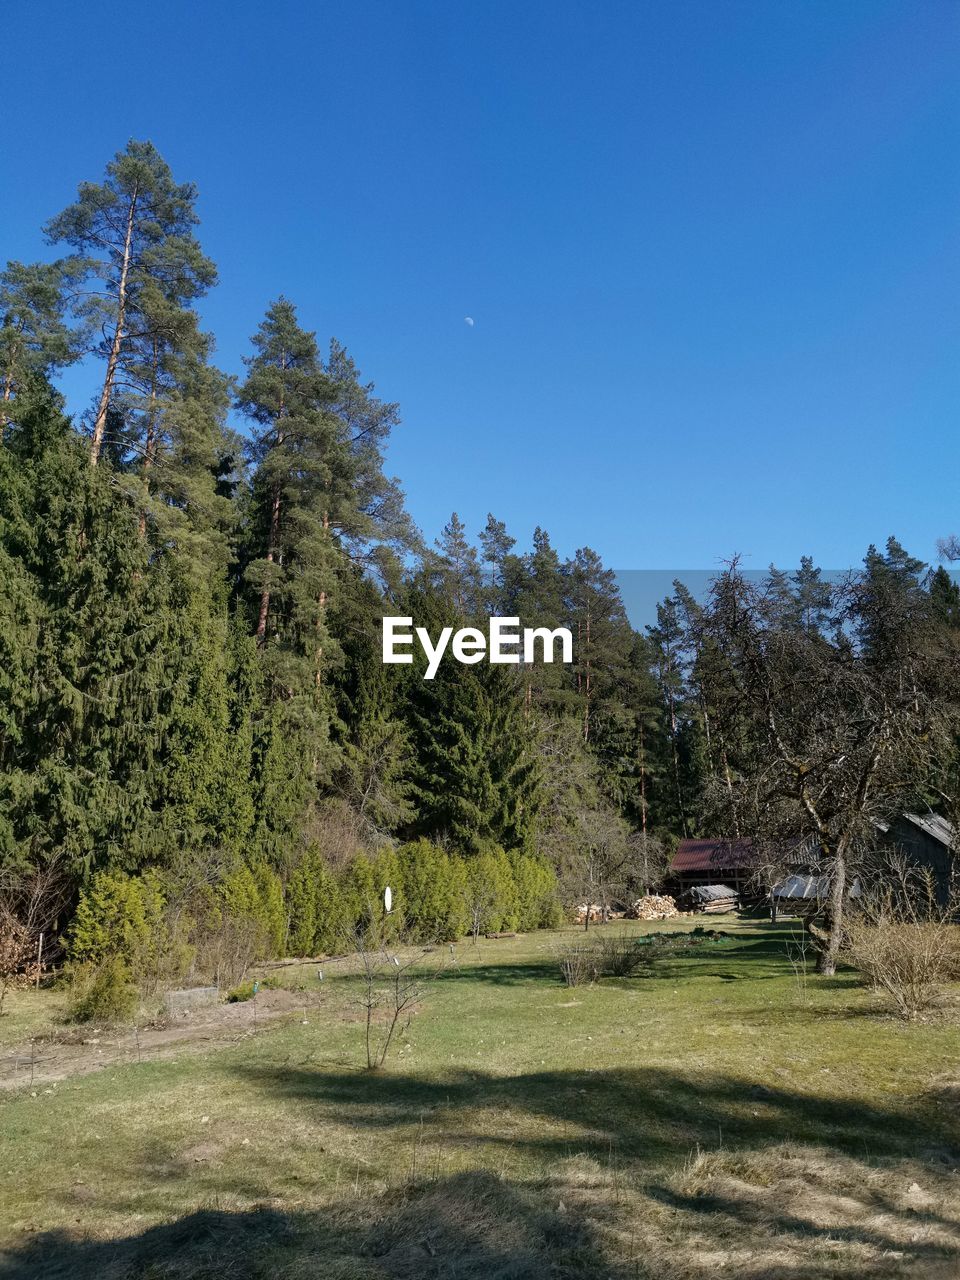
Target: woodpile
595,913
711,898
655,906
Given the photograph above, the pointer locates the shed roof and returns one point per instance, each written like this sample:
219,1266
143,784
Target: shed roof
807,887
713,855
711,893
933,825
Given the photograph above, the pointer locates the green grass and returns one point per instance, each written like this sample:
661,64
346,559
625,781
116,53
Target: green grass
710,1112
30,1013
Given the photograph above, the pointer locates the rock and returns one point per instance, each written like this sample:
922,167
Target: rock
180,1002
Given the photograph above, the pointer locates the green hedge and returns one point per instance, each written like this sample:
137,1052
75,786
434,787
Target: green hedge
438,896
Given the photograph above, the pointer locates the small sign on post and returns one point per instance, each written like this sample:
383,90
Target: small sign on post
388,899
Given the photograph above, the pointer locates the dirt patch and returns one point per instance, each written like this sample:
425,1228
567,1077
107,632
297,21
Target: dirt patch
80,1051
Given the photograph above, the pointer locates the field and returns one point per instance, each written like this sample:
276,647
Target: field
716,1114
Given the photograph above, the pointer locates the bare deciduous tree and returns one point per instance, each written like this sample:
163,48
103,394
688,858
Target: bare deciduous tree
31,903
838,723
391,985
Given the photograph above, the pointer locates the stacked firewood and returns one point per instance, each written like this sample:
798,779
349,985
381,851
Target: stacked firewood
655,906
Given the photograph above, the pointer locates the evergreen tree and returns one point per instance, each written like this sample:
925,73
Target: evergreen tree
475,778
945,598
497,546
456,568
36,338
133,235
105,668
602,637
535,590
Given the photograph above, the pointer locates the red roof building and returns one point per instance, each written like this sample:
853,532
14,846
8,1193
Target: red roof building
714,861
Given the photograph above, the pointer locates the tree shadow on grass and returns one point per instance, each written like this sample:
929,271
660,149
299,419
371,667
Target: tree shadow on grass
735,958
476,1226
728,1214
647,1113
472,1225
535,973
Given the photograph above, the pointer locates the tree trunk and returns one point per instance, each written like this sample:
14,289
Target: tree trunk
274,540
7,395
150,445
830,952
586,710
113,359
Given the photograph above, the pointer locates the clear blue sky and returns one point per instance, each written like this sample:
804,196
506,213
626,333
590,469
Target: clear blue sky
710,247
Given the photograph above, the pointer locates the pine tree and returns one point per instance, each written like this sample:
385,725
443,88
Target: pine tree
133,235
322,515
36,338
667,641
287,395
945,598
365,506
602,638
535,590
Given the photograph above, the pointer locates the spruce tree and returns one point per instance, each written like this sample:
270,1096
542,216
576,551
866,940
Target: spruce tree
497,545
475,776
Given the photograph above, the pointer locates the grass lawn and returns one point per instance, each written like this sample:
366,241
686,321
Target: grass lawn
712,1115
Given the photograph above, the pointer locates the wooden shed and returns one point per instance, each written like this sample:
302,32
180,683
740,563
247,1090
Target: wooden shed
928,840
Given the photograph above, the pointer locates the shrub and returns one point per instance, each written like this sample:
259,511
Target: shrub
102,992
302,905
434,903
619,955
911,961
902,939
578,965
15,953
247,990
363,888
538,899
387,871
317,908
252,896
490,892
226,945
123,915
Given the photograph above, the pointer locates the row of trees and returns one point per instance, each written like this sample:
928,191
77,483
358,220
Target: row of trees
190,618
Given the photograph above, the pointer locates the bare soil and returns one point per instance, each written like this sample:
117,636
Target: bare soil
79,1050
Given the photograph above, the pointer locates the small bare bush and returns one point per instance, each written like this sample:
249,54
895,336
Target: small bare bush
226,947
15,952
613,956
619,956
391,989
903,941
578,965
30,903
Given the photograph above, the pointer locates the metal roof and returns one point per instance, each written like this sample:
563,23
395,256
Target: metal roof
810,888
807,887
933,825
713,855
711,893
